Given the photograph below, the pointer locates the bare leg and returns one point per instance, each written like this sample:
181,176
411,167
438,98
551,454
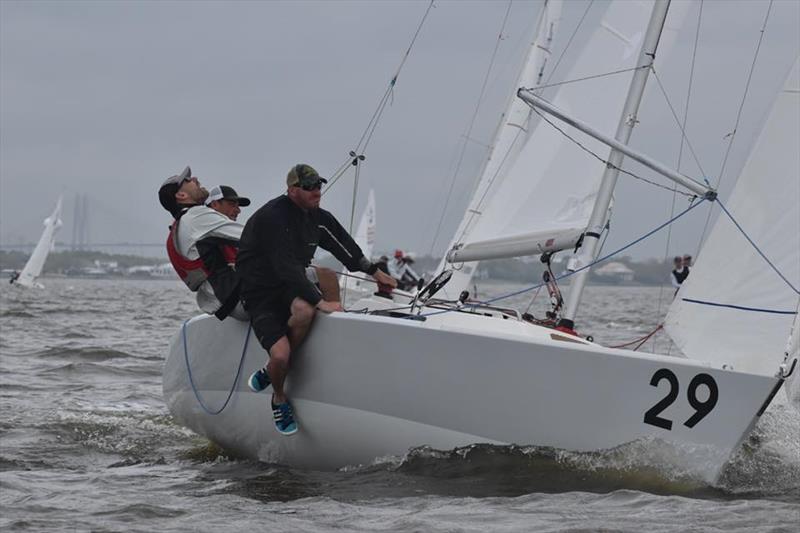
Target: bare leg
302,314
328,284
300,321
277,367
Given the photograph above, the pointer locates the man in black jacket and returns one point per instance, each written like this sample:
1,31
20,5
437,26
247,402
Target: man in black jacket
278,243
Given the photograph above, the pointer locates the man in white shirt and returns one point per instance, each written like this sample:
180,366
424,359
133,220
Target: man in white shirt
203,242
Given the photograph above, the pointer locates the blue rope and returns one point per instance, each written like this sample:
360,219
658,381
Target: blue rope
600,260
739,307
778,272
191,379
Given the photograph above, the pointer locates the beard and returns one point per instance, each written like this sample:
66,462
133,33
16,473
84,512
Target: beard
202,195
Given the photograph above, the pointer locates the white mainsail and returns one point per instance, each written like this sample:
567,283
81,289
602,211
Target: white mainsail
734,308
510,137
33,268
551,184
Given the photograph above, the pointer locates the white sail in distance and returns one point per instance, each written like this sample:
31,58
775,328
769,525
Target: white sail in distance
33,268
550,186
734,308
365,233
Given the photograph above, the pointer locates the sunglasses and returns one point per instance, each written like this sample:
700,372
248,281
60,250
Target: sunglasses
312,187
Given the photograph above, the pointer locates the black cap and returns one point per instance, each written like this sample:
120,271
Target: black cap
223,192
168,190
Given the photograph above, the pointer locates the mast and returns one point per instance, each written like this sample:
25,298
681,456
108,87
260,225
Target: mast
627,121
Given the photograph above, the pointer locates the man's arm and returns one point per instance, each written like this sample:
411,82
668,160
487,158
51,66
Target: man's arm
335,239
201,222
211,223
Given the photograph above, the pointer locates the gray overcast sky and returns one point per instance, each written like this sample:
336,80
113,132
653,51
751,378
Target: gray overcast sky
109,98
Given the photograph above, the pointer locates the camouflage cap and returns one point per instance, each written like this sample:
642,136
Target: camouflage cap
303,174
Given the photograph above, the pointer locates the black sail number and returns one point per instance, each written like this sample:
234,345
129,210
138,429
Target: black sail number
701,407
651,416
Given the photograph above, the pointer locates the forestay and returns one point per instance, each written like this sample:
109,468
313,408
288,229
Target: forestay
734,308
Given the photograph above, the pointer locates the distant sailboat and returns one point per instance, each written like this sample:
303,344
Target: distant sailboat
365,234
33,268
365,239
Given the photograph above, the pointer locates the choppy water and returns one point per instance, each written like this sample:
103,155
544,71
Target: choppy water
86,444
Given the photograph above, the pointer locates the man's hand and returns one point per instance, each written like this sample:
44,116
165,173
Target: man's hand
329,307
382,277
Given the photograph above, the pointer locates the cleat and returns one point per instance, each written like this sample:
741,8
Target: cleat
259,380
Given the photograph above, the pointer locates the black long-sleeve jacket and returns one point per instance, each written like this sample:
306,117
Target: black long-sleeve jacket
278,243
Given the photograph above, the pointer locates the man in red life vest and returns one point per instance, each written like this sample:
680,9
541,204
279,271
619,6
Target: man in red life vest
204,240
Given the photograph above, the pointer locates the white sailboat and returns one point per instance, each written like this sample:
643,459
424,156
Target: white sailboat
417,371
33,268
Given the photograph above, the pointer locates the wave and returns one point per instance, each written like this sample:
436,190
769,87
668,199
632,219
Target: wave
90,353
8,464
136,436
16,313
84,369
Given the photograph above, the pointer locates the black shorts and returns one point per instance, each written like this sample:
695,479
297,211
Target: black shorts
269,315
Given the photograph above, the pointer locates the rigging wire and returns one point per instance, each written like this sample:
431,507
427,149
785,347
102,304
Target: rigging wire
755,246
369,131
640,340
606,162
681,125
592,77
569,42
471,125
732,134
684,138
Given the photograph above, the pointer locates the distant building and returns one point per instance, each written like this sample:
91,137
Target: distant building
615,273
164,270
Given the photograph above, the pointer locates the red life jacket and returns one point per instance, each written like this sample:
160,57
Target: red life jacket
193,272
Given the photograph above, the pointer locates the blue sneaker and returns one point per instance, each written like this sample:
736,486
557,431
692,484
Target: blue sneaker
259,380
284,418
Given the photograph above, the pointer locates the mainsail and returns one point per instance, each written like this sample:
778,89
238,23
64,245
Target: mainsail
33,268
511,136
734,308
549,184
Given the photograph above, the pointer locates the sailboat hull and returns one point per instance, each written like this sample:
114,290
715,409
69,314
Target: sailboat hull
368,386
